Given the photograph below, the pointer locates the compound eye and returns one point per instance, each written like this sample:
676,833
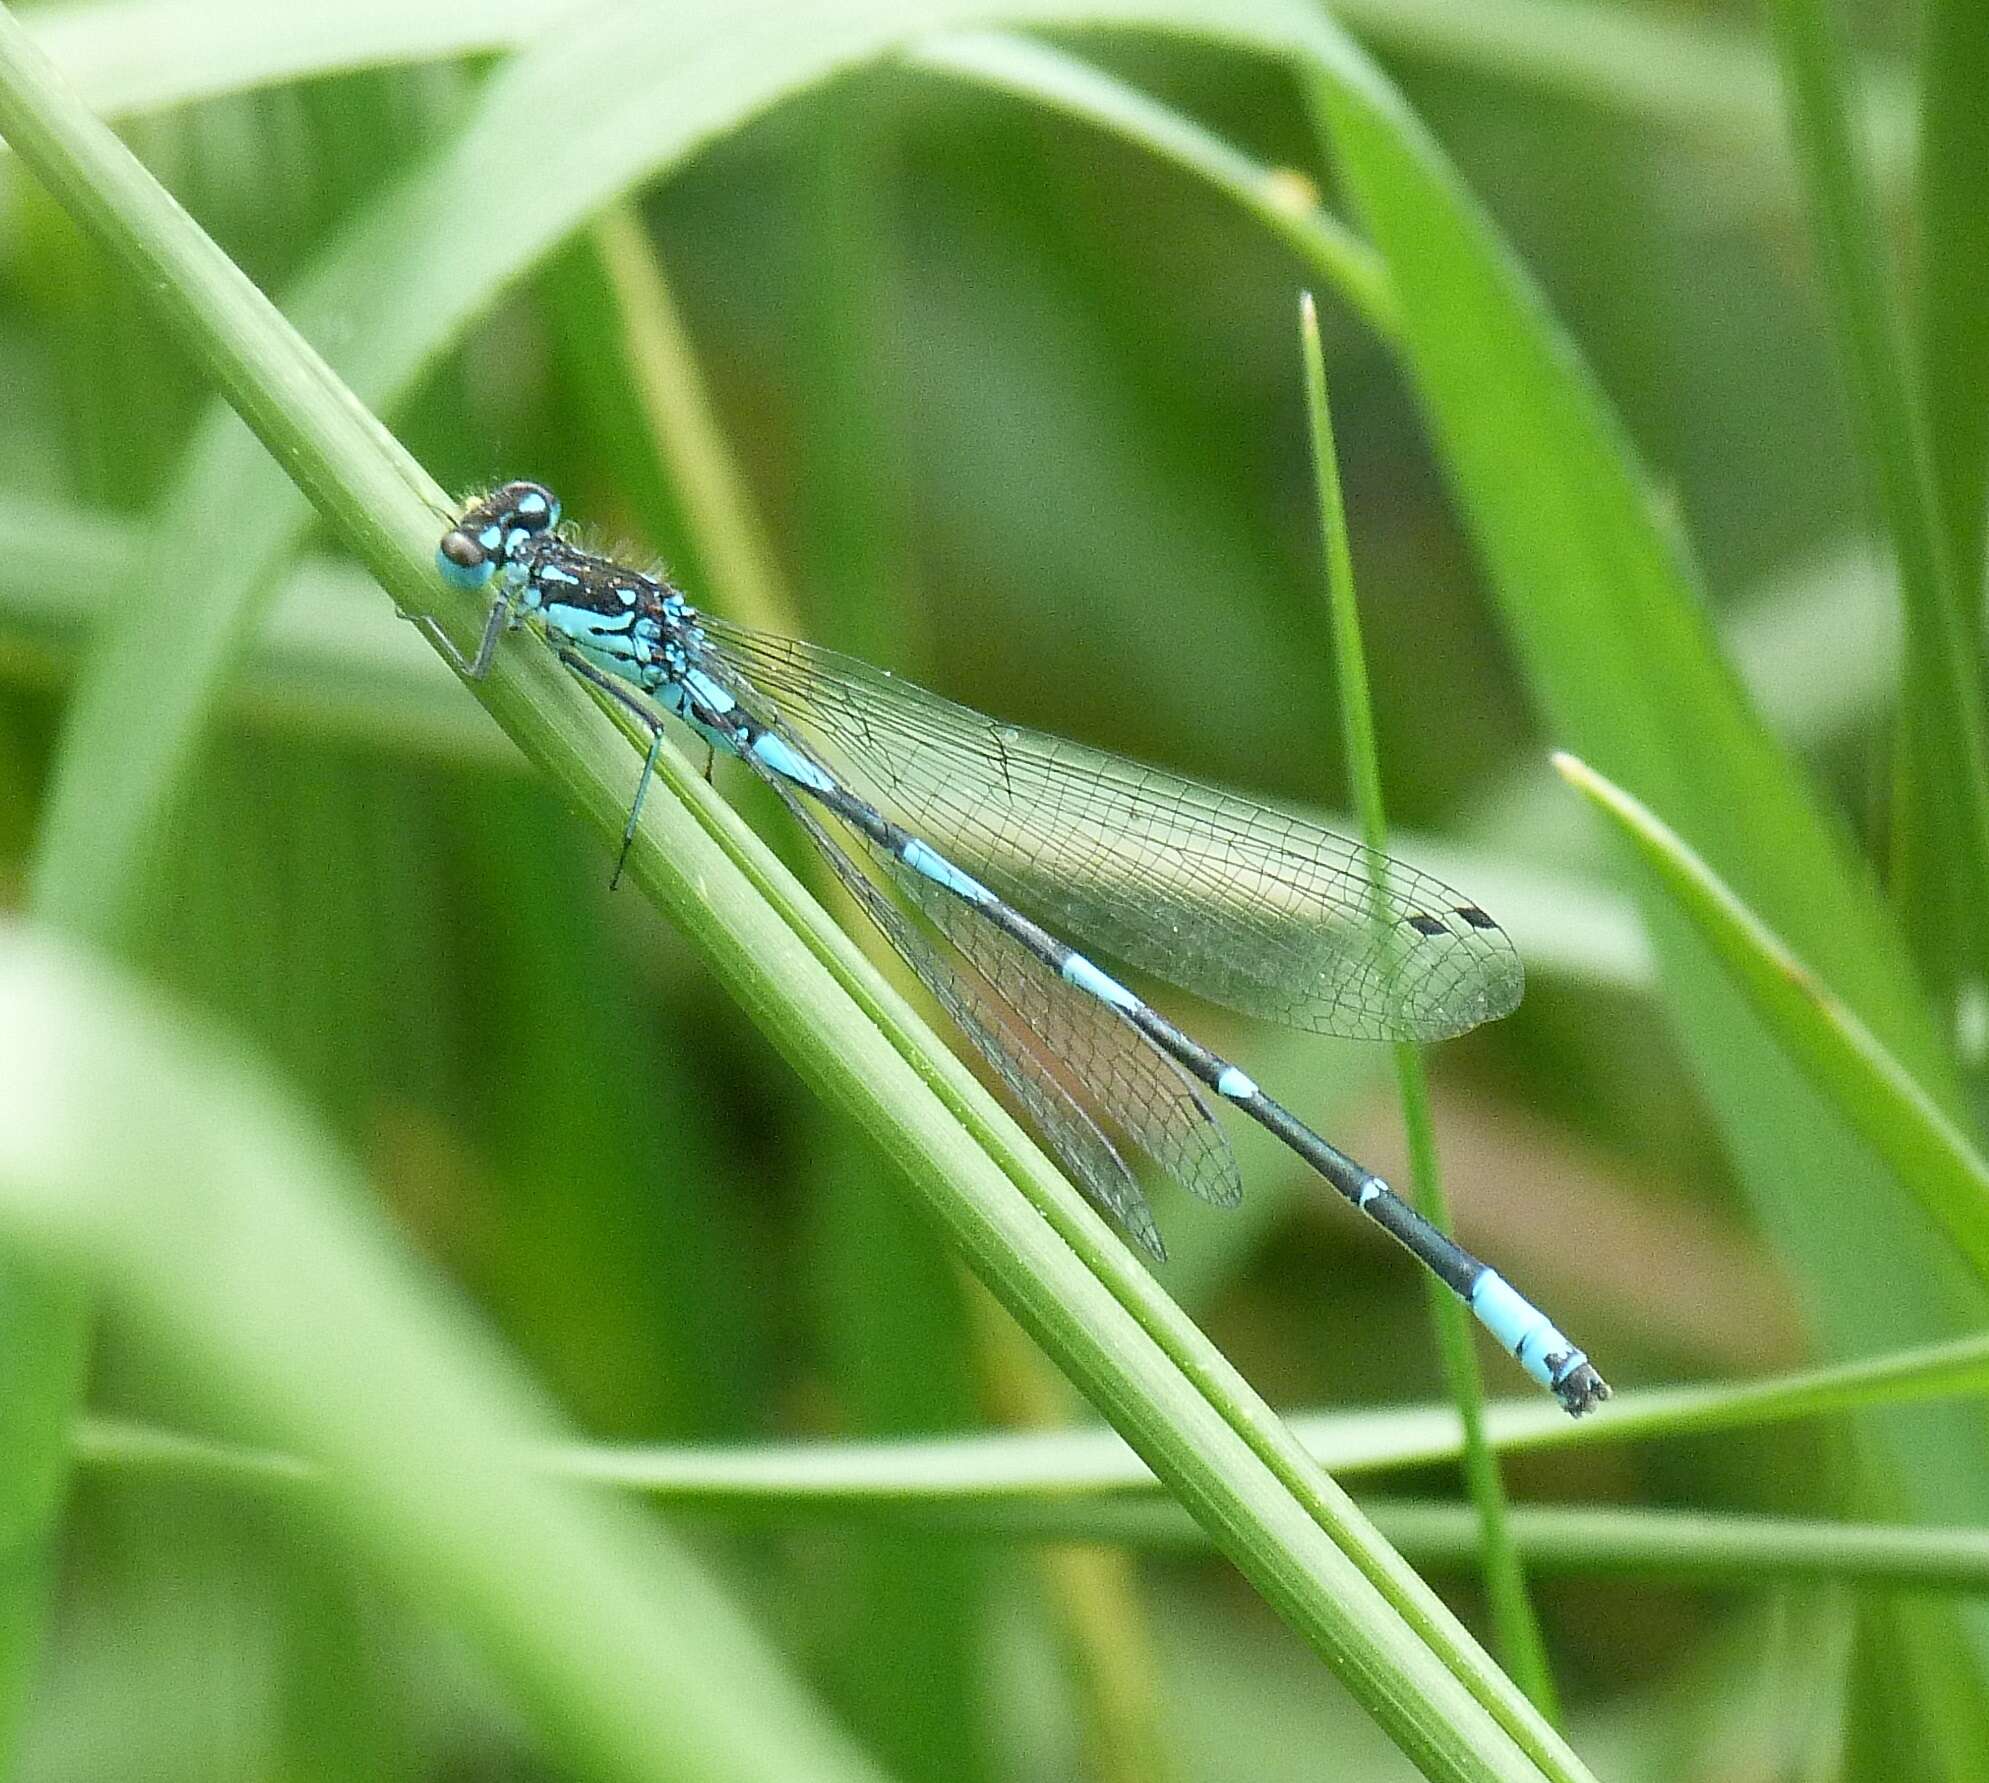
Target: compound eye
463,560
530,506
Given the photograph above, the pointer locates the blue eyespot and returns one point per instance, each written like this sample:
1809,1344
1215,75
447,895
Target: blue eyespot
530,505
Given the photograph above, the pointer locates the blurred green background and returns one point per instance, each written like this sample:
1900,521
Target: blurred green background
1018,407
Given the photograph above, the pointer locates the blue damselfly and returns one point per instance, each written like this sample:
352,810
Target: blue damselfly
968,826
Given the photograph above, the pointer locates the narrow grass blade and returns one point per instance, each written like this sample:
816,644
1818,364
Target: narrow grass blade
1524,1651
777,1487
1050,1258
978,1469
1349,1443
135,56
887,1292
1734,1553
1930,1155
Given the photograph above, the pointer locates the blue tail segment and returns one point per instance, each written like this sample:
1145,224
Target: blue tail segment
972,824
1527,1333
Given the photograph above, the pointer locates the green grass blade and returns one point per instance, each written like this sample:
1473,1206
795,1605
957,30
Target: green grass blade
1945,795
1681,1548
1349,1443
1593,591
1520,1642
47,1317
1931,1157
892,1324
775,1487
661,85
1738,1552
1095,1463
216,1218
1049,1259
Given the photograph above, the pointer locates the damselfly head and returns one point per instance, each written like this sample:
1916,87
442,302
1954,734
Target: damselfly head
490,530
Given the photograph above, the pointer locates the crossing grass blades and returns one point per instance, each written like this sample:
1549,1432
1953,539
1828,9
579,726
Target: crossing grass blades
971,823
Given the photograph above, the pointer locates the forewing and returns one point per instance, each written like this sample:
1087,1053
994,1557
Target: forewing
1254,908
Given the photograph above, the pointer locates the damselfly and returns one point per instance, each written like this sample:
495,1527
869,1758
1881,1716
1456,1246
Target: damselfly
965,824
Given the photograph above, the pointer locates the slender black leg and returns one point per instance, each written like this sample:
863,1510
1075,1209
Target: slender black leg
476,667
641,713
635,806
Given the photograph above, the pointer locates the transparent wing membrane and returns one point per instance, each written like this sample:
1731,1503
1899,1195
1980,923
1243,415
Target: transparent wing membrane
1259,910
1001,1033
1140,1092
